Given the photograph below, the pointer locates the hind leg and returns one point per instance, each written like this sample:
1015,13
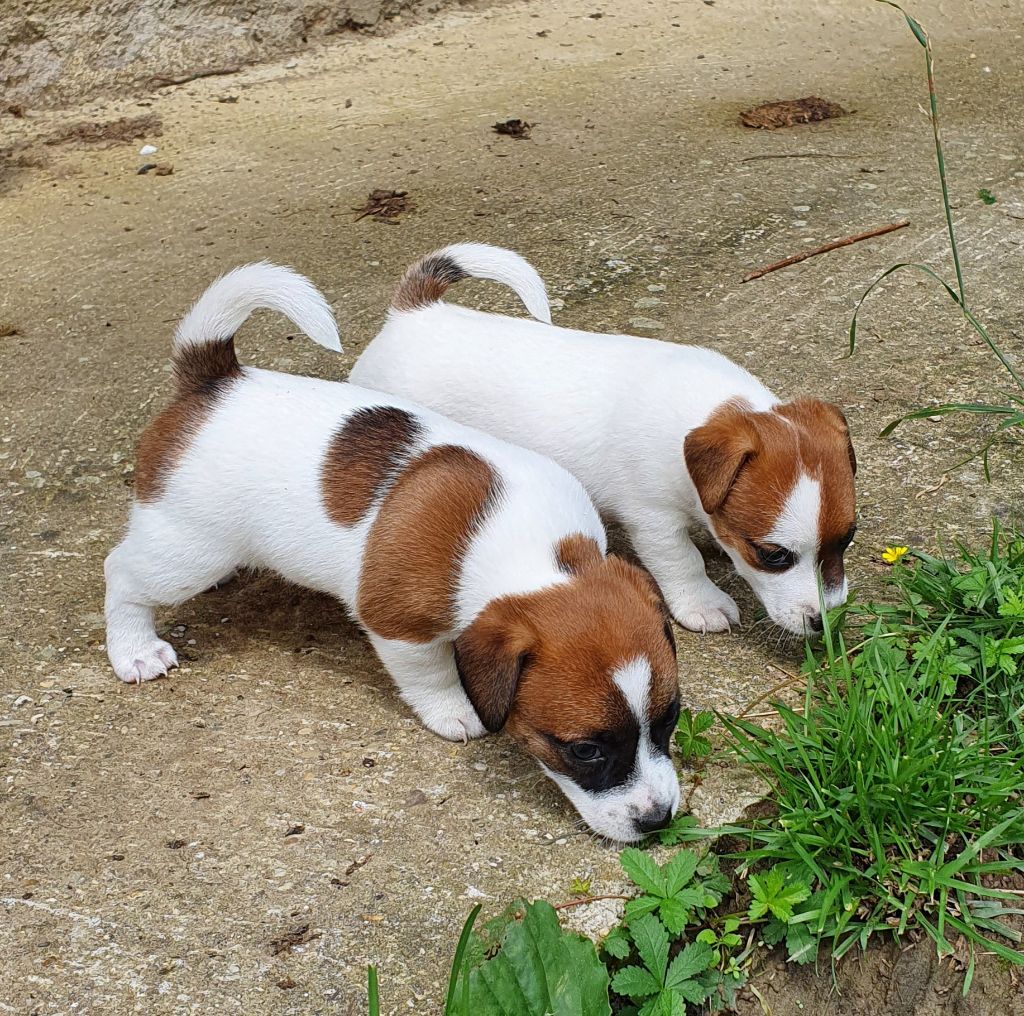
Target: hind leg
157,563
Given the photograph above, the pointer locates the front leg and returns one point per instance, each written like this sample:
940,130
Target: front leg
428,680
666,550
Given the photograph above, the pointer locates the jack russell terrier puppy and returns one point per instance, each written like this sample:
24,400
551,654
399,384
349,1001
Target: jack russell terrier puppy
664,437
477,569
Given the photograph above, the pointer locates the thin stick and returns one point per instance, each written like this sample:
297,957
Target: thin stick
589,899
162,81
834,245
790,679
797,155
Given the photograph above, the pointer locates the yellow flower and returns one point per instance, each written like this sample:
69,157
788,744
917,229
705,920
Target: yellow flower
893,554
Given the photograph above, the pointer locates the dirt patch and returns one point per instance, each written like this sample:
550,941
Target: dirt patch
114,132
771,116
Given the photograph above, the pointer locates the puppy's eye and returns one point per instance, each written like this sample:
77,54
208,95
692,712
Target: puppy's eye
847,539
774,558
585,751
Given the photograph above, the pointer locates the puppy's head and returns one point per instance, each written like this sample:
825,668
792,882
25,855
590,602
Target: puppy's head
583,675
778,489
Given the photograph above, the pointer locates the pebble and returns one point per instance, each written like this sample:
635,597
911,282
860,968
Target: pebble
656,287
148,150
646,302
22,700
646,323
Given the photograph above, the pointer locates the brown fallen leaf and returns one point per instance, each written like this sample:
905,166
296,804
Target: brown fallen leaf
291,939
8,328
514,128
385,206
788,112
286,983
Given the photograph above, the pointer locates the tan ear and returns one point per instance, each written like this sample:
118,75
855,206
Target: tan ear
813,413
716,451
490,655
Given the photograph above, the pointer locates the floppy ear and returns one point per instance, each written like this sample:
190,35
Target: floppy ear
490,655
716,451
814,412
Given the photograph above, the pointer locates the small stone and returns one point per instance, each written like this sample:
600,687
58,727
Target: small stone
22,700
647,324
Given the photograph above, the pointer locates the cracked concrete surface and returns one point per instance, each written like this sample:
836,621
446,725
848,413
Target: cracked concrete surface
150,855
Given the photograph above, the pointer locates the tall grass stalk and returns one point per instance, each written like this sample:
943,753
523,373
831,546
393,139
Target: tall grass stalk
1011,414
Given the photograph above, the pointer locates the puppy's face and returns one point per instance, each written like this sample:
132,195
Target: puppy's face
583,675
778,488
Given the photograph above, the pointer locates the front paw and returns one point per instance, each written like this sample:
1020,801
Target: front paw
451,715
707,610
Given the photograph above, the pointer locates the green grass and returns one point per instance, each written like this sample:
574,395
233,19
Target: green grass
1007,416
898,782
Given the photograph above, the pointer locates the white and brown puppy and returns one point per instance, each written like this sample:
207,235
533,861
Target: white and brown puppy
664,437
477,569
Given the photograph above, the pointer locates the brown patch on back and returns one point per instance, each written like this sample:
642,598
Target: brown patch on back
203,373
542,663
426,281
363,458
414,551
744,465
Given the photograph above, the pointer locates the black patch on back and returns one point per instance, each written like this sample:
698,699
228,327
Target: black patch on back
206,368
443,268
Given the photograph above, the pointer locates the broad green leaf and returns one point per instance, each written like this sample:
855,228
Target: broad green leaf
680,870
693,992
675,915
651,941
635,983
616,943
801,945
643,870
640,906
540,970
693,960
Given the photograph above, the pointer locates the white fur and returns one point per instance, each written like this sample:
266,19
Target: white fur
220,311
247,493
482,261
612,409
653,787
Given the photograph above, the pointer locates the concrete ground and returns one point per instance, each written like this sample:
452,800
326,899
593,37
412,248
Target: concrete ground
159,840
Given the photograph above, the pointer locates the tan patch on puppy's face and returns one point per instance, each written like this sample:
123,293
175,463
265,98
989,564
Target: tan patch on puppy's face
413,555
203,373
583,674
556,650
363,458
779,489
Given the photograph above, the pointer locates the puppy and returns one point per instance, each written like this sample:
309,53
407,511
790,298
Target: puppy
477,569
664,437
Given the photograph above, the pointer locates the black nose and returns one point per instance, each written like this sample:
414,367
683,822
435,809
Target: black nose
654,820
814,622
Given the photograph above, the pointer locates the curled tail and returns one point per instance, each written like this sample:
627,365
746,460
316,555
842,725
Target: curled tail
426,281
203,355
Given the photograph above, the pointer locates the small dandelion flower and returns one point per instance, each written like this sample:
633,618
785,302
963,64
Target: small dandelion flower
893,554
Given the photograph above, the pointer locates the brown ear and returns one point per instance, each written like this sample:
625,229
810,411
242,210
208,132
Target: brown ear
716,451
813,412
490,655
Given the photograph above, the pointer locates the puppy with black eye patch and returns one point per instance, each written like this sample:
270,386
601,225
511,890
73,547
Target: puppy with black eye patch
477,569
666,438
